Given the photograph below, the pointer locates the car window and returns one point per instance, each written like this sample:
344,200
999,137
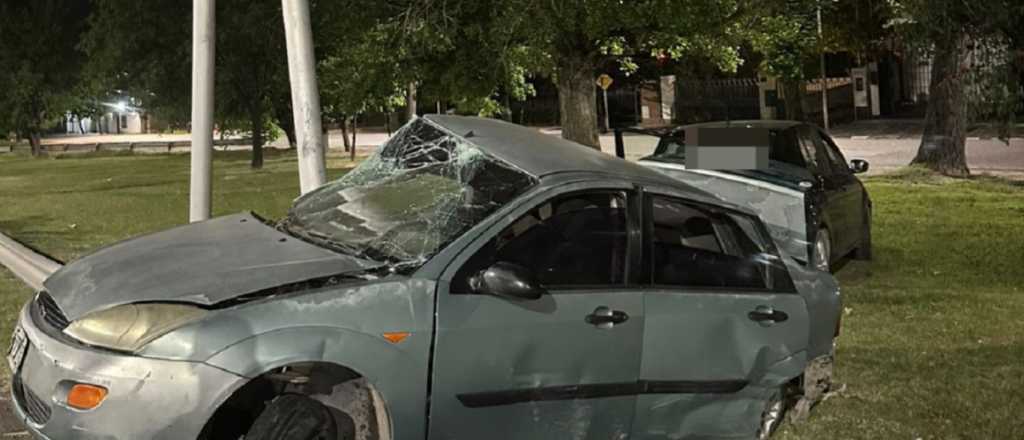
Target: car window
786,148
835,158
697,246
814,150
571,241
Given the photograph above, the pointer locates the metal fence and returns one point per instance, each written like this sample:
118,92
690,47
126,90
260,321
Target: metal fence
718,99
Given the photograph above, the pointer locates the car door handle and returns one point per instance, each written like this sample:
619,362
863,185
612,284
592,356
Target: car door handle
766,315
606,318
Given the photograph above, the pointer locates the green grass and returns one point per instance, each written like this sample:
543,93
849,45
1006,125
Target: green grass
71,205
932,344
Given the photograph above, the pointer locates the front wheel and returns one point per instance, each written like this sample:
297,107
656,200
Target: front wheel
296,417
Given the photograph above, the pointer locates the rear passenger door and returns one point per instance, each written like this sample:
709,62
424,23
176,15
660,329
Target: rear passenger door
724,325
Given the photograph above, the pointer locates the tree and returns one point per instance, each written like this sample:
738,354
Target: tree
39,63
471,52
571,39
144,48
784,32
973,44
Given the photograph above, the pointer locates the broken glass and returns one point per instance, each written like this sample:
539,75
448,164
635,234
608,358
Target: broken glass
421,190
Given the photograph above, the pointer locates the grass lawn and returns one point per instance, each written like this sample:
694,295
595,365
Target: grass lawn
932,344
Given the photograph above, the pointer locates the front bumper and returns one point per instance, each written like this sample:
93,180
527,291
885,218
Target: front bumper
147,398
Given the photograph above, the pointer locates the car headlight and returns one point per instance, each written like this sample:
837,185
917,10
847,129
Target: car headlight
132,326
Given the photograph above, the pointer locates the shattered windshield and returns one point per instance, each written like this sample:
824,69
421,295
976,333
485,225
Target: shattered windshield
420,191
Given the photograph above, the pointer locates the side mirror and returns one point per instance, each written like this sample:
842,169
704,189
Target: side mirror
858,166
507,280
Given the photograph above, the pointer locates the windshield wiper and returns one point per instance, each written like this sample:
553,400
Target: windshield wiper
287,226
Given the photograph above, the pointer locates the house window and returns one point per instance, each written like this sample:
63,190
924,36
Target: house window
124,121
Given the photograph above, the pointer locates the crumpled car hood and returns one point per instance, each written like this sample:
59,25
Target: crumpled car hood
201,263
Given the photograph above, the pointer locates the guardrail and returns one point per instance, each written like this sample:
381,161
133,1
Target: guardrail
28,265
148,146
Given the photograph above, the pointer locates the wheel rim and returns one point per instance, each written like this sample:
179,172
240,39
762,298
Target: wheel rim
771,417
822,250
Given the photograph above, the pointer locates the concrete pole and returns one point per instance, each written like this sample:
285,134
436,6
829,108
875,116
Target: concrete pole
824,82
305,94
203,52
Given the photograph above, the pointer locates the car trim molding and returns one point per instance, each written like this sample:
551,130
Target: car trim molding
597,391
727,176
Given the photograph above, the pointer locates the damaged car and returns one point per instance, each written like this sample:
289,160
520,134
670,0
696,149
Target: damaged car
473,279
810,197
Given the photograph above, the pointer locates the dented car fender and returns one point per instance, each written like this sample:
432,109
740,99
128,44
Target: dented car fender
401,388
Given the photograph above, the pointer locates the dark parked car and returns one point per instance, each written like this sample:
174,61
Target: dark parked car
817,208
473,279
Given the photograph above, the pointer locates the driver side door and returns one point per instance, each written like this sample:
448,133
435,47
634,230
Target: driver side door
564,366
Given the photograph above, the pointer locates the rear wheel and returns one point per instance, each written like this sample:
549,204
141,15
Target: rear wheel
772,415
298,417
822,258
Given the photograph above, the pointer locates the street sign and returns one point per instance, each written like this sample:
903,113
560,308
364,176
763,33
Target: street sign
604,81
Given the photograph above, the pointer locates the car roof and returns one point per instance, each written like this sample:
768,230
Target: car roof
747,123
542,154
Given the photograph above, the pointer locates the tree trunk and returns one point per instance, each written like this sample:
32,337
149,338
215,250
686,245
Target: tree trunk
36,144
256,119
943,143
794,92
410,102
284,120
387,122
577,101
344,133
355,129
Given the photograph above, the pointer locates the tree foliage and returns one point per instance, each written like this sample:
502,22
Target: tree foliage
39,63
145,50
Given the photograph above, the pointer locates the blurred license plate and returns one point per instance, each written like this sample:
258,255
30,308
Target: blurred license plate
19,345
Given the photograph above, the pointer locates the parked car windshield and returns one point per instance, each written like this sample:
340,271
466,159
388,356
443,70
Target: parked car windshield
421,190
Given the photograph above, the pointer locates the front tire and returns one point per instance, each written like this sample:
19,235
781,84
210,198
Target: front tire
295,417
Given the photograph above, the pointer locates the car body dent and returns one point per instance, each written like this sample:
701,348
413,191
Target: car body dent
343,322
200,263
341,325
781,208
700,415
397,372
136,385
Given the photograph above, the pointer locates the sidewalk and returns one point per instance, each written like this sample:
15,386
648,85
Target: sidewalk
886,144
909,128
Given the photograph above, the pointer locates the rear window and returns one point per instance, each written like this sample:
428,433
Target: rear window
784,147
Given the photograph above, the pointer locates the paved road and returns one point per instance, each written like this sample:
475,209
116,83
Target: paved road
885,154
887,145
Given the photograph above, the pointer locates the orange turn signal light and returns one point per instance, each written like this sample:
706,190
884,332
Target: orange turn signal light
84,396
396,337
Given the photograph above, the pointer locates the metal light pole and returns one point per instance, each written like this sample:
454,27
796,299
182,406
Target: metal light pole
305,94
203,51
824,82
